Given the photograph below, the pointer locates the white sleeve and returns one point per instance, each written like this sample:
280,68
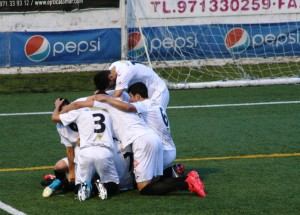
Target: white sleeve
69,117
67,137
141,107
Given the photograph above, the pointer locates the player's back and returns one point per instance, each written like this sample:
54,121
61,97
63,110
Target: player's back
132,72
156,117
146,75
128,126
95,128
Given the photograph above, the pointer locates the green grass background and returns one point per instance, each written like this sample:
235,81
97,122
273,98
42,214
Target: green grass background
233,186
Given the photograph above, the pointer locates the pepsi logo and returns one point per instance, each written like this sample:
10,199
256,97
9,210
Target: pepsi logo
237,40
136,46
37,48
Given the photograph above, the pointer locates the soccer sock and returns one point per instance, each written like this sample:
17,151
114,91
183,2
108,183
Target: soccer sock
167,172
77,186
112,188
67,186
178,182
165,186
160,187
181,184
60,175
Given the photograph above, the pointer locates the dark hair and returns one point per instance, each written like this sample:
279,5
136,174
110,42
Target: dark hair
138,88
65,102
73,125
101,80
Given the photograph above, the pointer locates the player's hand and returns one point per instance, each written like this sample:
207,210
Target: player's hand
58,102
71,177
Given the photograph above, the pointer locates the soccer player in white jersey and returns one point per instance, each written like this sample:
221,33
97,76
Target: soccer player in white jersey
125,73
157,119
96,150
153,114
64,169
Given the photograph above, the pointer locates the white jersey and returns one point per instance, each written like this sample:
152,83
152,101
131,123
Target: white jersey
68,137
156,117
129,73
96,153
127,126
94,126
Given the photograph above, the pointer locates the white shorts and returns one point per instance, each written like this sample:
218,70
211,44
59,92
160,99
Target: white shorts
148,157
66,160
169,157
96,159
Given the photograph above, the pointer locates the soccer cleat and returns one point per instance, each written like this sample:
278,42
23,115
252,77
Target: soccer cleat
177,170
54,186
195,183
84,191
102,192
49,176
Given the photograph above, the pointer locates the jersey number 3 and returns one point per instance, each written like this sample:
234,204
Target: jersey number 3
99,122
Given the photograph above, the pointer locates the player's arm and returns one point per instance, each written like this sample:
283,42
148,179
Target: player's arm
77,105
55,114
124,106
71,156
117,93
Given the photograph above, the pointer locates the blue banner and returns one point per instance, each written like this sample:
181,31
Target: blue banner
4,49
163,44
215,41
69,47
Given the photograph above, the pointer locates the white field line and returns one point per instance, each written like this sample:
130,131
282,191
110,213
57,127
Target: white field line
235,105
177,107
24,114
10,209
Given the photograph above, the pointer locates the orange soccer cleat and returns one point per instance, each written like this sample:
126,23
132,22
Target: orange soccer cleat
195,183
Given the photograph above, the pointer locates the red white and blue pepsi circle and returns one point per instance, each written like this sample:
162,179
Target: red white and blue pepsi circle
237,40
136,46
37,48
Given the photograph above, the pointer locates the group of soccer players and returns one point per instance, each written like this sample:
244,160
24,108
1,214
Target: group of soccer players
123,139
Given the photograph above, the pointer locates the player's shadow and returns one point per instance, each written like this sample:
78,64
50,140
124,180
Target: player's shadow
205,172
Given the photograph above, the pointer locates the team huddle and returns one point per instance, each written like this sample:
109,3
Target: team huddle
119,139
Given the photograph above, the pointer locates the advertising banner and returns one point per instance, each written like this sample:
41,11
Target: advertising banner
216,41
4,49
54,5
207,8
61,48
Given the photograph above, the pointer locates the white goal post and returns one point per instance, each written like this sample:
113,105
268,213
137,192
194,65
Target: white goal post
211,43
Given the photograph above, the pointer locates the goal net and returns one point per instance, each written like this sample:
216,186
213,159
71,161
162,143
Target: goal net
246,44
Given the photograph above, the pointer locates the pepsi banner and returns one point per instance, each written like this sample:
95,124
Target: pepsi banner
215,41
54,5
4,49
61,48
